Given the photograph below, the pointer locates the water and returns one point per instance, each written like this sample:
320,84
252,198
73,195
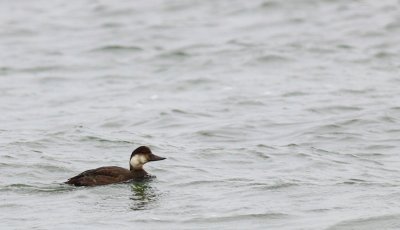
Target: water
273,114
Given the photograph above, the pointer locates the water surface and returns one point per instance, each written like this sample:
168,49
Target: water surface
273,114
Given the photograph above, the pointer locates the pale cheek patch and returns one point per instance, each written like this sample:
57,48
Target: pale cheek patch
135,161
143,159
138,161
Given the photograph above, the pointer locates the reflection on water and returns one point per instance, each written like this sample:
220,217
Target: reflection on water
143,195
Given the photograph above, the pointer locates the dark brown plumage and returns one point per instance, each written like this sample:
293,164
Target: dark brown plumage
115,174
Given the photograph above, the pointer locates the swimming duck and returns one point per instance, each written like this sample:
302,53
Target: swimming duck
114,174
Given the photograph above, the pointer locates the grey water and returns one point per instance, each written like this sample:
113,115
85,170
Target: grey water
272,114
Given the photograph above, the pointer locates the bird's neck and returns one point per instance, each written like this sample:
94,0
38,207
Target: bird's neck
137,167
138,172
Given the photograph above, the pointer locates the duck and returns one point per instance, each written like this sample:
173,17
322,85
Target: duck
114,174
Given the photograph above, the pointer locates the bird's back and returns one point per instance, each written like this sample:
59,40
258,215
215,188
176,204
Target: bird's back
101,176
